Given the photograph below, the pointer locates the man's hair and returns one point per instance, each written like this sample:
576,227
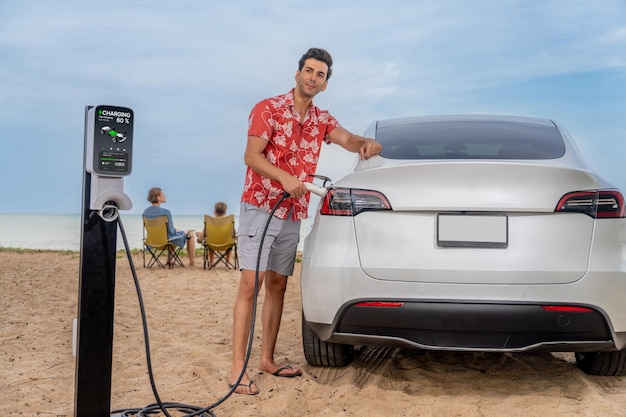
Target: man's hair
320,55
220,208
153,194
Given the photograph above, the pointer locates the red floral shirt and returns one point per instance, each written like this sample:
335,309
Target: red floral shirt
291,146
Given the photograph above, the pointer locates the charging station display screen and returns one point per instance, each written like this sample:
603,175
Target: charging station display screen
112,140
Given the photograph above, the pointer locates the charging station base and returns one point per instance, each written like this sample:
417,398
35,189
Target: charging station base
94,350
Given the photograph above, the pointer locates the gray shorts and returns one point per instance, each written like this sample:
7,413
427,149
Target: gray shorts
279,245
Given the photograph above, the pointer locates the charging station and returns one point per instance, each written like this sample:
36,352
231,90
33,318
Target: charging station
107,159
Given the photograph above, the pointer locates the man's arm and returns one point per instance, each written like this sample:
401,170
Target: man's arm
255,159
366,147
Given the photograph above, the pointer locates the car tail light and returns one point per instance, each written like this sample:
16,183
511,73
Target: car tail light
352,201
597,204
379,304
567,309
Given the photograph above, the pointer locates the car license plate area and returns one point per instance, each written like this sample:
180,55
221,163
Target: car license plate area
472,230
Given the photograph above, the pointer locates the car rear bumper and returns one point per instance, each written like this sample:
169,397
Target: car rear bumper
471,326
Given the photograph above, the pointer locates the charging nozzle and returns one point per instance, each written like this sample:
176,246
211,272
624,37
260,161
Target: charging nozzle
316,189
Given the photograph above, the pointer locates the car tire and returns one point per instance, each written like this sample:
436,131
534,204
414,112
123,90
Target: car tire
602,363
320,353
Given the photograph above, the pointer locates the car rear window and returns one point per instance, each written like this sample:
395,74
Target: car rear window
470,139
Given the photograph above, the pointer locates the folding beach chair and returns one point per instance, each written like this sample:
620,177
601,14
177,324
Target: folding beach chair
156,243
219,236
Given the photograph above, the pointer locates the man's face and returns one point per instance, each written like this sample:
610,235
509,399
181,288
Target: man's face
312,78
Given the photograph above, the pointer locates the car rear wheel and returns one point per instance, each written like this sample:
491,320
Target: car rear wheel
320,353
602,363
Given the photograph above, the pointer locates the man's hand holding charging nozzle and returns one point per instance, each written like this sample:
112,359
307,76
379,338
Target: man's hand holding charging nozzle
293,186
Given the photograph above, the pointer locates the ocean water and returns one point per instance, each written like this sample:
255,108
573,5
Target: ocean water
62,231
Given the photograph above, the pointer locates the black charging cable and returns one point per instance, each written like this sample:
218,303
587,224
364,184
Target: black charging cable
191,410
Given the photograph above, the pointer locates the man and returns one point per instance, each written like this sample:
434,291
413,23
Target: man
285,135
156,196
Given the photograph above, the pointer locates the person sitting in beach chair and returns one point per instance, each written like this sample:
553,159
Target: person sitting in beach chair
156,196
223,245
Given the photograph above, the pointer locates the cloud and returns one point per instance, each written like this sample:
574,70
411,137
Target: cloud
191,71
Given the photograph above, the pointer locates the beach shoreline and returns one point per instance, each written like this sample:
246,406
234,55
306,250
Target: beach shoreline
189,320
63,231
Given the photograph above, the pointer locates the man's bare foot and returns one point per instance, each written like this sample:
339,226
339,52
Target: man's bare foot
246,385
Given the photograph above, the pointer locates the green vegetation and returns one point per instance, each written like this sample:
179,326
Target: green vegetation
23,250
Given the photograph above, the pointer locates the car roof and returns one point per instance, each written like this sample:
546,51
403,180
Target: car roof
451,118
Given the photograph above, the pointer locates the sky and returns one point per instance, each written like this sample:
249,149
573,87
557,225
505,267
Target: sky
191,70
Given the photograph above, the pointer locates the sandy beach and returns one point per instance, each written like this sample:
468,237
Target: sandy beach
189,319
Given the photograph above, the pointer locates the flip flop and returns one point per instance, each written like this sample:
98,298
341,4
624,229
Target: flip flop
249,386
279,371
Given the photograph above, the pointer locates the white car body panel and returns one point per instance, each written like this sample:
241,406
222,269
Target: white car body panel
405,249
